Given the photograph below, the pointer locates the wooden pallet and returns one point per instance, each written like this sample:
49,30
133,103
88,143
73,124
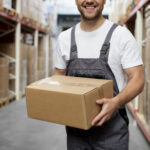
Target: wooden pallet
7,100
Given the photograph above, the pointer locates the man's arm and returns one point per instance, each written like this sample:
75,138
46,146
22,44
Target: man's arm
59,71
133,88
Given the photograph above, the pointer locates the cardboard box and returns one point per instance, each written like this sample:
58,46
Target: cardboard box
31,64
147,22
9,49
42,47
6,3
39,74
4,77
31,78
24,8
148,101
147,59
23,76
142,98
41,63
66,100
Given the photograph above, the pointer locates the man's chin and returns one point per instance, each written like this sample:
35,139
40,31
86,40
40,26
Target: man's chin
90,18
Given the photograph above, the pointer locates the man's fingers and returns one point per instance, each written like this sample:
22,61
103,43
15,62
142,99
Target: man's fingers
98,117
102,121
100,101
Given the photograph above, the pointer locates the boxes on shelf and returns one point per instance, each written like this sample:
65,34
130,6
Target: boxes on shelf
9,49
6,3
41,63
147,20
147,11
142,97
24,8
148,32
67,100
4,77
40,74
148,102
41,57
147,58
32,9
28,38
23,68
31,63
42,47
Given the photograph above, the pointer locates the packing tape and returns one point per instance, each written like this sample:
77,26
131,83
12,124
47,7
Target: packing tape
51,82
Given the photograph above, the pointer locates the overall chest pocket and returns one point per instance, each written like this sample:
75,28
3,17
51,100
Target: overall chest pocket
88,73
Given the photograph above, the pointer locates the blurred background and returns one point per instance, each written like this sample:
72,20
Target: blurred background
28,37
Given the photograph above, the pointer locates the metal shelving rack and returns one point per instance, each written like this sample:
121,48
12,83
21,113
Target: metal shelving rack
133,108
141,4
16,24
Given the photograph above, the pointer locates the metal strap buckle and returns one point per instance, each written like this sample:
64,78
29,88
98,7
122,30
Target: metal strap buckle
105,47
73,48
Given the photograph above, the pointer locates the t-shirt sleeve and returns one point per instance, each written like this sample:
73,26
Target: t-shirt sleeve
130,53
59,61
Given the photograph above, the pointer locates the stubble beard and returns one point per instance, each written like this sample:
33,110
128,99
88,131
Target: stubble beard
98,14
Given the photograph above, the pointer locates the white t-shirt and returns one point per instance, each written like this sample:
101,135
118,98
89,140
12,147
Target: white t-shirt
124,52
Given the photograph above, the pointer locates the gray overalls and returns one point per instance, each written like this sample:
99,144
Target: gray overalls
112,135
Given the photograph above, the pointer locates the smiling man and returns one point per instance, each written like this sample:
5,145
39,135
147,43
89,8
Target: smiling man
98,48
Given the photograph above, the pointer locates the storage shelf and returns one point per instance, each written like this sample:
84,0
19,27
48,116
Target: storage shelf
141,4
12,25
18,20
11,59
12,77
12,94
141,123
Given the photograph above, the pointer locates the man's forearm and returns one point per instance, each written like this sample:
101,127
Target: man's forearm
132,89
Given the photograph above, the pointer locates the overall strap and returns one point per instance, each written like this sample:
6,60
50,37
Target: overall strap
106,45
73,48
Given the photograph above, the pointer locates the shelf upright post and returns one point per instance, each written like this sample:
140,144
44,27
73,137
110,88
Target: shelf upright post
47,40
36,43
18,6
17,47
139,38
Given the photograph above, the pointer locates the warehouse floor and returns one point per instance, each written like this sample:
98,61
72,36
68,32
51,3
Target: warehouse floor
17,132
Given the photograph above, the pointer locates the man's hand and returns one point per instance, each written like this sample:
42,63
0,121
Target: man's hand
133,88
59,71
109,106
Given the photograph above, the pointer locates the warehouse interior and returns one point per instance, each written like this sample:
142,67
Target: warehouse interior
28,38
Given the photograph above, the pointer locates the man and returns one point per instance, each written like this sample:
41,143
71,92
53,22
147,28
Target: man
97,48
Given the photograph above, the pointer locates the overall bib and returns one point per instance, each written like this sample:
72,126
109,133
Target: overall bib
112,135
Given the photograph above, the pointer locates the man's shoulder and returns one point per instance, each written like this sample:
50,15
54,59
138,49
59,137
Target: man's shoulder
120,30
123,33
123,30
65,35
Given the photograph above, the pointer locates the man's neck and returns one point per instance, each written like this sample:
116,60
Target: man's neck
91,25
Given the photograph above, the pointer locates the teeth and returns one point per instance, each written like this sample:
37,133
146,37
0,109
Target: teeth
89,7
